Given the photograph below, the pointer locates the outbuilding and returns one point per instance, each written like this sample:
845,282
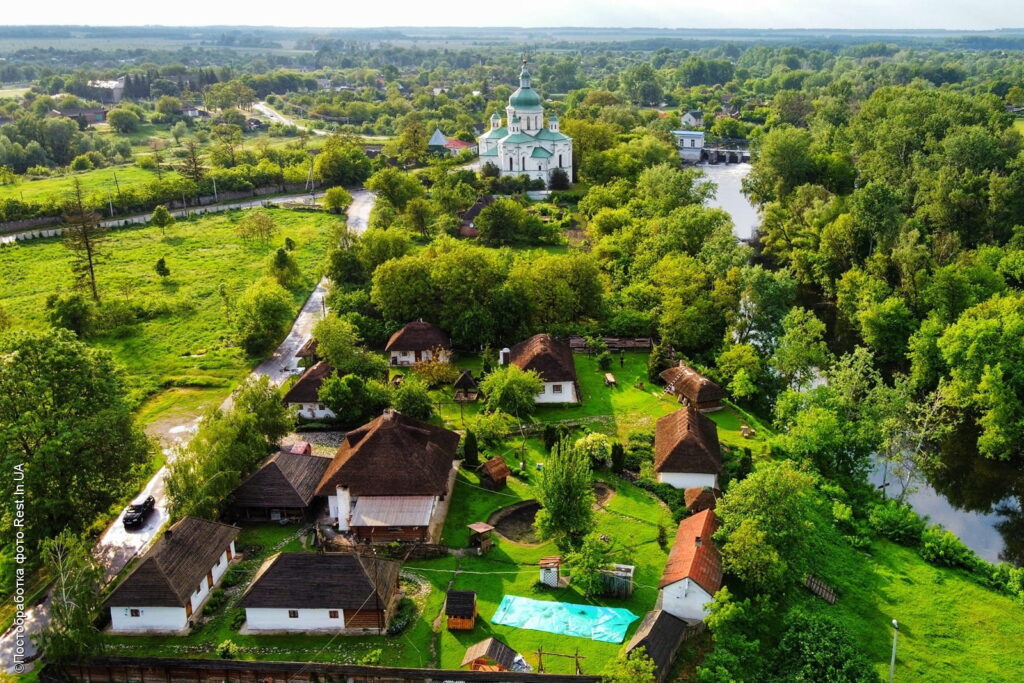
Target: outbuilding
686,450
692,388
693,573
282,487
490,655
460,610
494,473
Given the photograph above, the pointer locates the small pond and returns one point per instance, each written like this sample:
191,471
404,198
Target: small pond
515,522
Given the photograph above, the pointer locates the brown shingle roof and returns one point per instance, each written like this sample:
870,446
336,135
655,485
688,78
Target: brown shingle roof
687,441
308,349
682,380
551,359
470,214
418,336
393,455
283,480
460,604
688,559
660,634
307,388
699,498
465,381
493,649
330,580
496,468
172,569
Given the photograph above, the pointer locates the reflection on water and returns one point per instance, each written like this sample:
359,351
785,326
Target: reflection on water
976,498
730,197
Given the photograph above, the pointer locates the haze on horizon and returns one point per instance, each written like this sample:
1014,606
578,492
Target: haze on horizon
729,14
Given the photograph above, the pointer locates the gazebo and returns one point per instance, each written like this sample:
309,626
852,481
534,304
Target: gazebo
480,536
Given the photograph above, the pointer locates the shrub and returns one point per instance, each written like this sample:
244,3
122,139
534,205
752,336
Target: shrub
604,361
215,600
236,617
81,163
232,577
941,547
227,650
404,617
639,449
491,428
598,448
897,522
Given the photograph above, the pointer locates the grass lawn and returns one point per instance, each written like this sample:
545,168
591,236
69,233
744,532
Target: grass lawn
1019,125
951,628
185,350
97,181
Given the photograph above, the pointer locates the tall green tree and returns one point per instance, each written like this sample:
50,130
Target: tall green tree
85,238
566,493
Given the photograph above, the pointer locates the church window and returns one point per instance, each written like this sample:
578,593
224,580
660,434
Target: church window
510,163
559,160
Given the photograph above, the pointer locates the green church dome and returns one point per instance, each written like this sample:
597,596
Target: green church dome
525,98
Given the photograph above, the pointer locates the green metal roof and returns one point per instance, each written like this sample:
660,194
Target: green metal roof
518,138
525,98
540,153
496,133
493,152
546,134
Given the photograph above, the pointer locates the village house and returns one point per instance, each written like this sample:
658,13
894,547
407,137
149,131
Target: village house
552,360
110,91
456,146
686,450
88,114
282,487
691,144
304,396
391,479
693,119
417,342
322,592
693,573
692,388
468,227
659,635
172,581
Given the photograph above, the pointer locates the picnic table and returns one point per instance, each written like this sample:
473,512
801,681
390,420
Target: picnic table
609,380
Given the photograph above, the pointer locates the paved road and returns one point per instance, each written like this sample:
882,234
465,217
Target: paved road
116,547
278,117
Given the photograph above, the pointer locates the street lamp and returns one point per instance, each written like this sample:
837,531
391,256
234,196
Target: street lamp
892,662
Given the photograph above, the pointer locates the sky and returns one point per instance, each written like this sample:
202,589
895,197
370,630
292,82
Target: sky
847,14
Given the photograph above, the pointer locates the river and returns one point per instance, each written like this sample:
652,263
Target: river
729,179
979,500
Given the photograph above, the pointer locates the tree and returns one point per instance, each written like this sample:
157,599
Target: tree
178,131
412,399
337,342
70,636
395,187
512,390
260,399
770,531
68,428
337,199
504,221
635,667
815,647
801,350
84,237
123,121
341,162
411,143
284,269
597,447
162,218
161,267
419,216
470,450
566,493
168,106
404,289
559,180
257,224
586,563
262,315
192,163
70,311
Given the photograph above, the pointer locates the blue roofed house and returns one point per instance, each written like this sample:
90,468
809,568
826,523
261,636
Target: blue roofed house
525,145
437,142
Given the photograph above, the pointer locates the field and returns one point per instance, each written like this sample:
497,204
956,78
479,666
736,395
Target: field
100,180
184,349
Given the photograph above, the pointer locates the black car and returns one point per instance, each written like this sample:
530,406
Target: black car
136,513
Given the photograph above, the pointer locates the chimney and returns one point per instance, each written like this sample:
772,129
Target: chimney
168,534
697,541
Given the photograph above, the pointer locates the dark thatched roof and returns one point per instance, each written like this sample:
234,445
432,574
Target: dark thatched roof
694,555
393,455
687,441
551,359
283,480
331,580
173,568
308,349
307,388
698,498
492,649
465,381
470,214
682,380
418,336
495,468
660,634
460,604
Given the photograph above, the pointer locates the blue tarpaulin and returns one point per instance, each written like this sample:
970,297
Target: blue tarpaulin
606,624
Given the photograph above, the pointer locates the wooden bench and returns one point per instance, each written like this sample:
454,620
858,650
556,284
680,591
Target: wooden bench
609,380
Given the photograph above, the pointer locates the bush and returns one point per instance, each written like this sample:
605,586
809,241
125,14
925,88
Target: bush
491,428
604,361
232,577
215,600
403,618
639,449
81,163
227,650
941,547
897,522
236,617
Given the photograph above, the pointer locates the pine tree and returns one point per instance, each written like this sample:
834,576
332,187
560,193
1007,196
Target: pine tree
161,267
470,451
85,238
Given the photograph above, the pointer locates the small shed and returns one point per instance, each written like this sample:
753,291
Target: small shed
617,580
301,448
550,571
466,389
494,473
460,610
480,536
489,655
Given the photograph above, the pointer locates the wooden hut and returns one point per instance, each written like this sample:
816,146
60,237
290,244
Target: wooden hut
494,473
617,580
489,655
693,388
550,571
460,610
480,536
466,389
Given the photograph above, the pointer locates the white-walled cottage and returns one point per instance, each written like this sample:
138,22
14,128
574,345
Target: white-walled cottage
686,450
304,396
552,360
691,144
417,342
174,578
332,592
693,573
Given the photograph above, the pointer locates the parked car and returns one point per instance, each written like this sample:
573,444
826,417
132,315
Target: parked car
136,513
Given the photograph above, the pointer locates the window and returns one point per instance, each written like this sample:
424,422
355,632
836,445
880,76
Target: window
559,159
320,406
510,163
556,388
135,613
293,614
693,143
332,614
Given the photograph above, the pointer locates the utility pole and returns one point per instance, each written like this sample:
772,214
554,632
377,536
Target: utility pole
892,662
214,190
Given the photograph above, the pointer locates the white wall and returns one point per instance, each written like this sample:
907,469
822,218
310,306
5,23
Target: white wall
274,619
339,507
312,411
149,619
409,357
204,590
568,394
685,599
685,480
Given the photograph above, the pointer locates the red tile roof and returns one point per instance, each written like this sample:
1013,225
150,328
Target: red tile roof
688,559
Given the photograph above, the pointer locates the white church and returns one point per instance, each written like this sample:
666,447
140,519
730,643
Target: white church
525,145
